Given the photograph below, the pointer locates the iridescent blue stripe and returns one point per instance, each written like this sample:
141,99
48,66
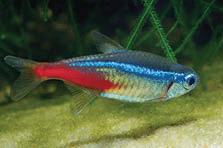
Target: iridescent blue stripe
138,70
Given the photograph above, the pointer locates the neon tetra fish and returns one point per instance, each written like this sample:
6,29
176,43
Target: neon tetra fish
118,73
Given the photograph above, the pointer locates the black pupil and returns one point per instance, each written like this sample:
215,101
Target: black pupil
192,80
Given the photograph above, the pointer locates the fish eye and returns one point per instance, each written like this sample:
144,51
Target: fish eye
188,81
191,81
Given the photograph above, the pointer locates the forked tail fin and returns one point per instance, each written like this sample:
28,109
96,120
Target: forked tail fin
26,81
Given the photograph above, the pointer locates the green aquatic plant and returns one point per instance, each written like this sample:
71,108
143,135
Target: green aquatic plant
147,35
169,51
156,22
178,11
45,5
148,11
75,27
140,23
191,32
215,52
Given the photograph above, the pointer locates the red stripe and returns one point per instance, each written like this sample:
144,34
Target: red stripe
88,79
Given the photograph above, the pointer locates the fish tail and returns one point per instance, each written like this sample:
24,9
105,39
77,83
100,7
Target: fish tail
27,79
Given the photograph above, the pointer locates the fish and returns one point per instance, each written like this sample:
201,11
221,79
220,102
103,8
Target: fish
117,73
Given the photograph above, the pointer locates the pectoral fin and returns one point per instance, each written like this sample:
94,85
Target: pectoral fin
164,95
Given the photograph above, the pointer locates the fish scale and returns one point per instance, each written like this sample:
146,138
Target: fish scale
133,91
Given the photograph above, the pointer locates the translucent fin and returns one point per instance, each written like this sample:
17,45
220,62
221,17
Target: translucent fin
23,85
73,89
107,45
82,100
26,81
18,63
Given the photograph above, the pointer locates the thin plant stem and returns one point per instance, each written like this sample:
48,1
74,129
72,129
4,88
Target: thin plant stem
189,35
139,23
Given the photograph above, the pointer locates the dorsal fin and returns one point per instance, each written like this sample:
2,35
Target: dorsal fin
106,44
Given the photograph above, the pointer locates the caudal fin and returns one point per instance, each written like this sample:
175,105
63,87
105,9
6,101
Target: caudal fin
26,81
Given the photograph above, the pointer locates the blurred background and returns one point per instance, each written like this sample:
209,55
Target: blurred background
50,30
